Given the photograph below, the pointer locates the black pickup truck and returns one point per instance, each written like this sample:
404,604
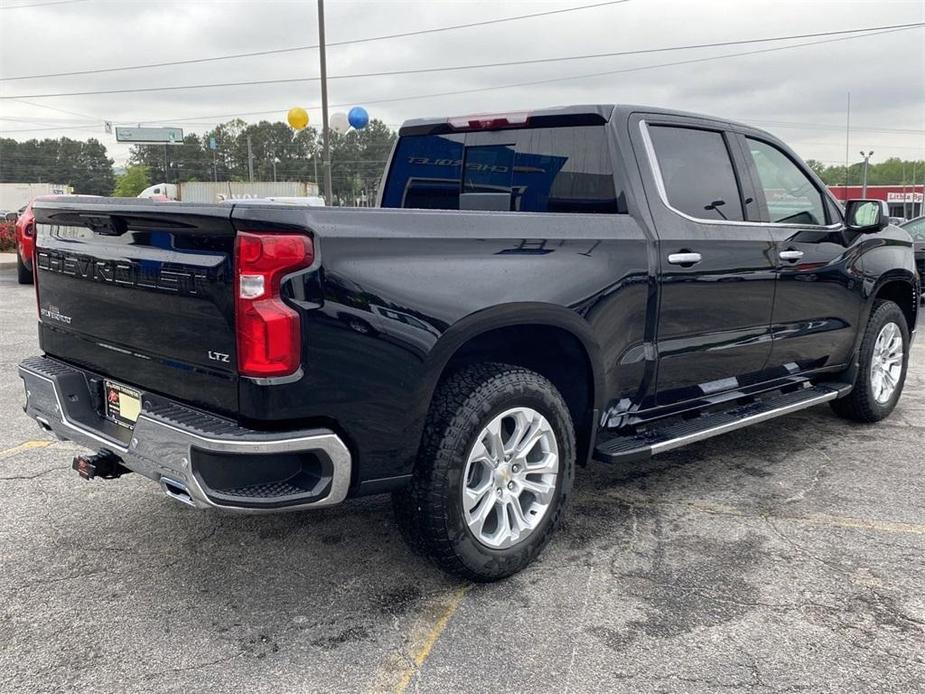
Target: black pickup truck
535,290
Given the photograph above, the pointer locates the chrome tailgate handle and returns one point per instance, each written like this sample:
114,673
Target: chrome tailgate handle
685,258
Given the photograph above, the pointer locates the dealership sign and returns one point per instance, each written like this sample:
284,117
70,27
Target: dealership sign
904,197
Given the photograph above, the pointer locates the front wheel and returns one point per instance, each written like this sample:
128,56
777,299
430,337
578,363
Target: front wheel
495,469
883,358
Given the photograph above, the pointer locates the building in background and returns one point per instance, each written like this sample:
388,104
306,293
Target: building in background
904,201
14,196
209,191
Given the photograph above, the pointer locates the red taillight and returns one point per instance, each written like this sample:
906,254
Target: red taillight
489,122
269,331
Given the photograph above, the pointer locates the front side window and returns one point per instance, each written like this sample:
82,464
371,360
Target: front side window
790,194
697,172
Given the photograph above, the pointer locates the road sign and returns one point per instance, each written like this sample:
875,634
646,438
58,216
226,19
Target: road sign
151,136
212,143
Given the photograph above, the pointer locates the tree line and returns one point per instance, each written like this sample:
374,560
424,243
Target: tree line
893,171
276,153
83,165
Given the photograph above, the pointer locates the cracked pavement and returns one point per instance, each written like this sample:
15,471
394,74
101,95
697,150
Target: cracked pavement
785,557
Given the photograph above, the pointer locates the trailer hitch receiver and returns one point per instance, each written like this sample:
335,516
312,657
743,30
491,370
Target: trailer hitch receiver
104,464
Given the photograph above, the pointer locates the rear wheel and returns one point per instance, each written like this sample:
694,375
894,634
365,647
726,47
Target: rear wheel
883,358
494,471
23,273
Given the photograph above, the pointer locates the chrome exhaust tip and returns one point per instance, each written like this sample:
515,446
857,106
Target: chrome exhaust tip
177,490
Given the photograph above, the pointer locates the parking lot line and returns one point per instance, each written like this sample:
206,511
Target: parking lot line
10,452
424,634
822,519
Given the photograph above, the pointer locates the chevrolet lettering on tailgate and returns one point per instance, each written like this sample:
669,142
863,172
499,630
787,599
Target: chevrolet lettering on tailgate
128,274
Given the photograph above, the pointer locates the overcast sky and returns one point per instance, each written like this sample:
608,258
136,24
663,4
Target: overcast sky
800,94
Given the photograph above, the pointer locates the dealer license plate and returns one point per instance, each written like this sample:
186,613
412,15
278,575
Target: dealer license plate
123,404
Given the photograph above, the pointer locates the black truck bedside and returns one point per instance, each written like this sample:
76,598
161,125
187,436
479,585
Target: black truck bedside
534,290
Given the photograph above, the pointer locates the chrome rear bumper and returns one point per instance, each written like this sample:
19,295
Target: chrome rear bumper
190,450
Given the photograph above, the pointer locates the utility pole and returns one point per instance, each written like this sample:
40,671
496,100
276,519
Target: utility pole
912,194
274,168
922,206
166,166
325,132
847,142
250,160
866,159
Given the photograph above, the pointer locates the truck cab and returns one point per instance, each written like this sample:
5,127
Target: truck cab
160,191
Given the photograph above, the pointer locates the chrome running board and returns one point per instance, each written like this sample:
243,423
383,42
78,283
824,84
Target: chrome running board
658,439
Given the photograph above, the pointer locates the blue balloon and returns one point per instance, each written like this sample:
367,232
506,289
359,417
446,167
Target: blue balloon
358,117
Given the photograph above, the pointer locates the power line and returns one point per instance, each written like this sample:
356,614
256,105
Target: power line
412,97
83,128
827,126
55,108
39,119
40,4
852,33
293,49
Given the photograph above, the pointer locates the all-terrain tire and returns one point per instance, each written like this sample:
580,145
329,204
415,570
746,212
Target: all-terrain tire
430,510
861,405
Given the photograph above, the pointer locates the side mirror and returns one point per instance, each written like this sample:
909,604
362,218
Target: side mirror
866,216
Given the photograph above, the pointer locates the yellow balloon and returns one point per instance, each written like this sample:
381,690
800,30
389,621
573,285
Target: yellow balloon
297,117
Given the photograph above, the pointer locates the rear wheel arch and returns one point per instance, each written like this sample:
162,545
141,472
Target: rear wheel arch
550,340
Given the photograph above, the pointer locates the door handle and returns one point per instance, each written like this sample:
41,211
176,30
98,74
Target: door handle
685,258
791,255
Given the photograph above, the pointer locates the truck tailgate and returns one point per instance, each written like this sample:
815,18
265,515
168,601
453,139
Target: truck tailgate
141,292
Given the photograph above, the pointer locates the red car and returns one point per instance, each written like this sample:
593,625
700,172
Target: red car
25,238
25,242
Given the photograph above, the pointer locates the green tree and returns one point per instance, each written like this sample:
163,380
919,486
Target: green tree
893,171
132,182
817,167
83,165
93,174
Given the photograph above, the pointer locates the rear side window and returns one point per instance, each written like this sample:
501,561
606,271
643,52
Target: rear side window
565,169
790,195
697,172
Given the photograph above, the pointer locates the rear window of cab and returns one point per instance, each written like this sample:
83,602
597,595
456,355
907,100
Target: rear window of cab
566,169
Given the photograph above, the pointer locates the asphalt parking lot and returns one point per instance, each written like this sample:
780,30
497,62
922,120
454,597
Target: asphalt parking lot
786,557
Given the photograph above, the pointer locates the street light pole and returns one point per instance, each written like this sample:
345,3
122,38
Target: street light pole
866,159
250,160
325,132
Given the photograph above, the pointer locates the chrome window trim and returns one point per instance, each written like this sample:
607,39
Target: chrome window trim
663,193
